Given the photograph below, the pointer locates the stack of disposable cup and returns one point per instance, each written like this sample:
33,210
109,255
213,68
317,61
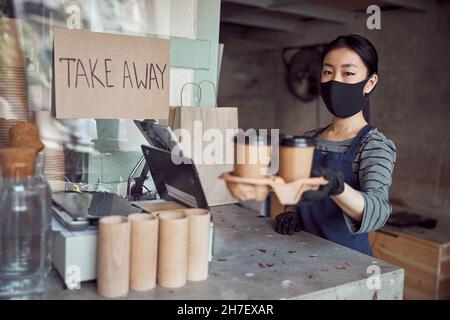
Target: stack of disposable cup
5,125
13,80
54,162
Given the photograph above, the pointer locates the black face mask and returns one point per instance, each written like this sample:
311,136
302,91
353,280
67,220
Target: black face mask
344,99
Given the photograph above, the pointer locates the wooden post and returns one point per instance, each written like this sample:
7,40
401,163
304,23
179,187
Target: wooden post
144,251
198,244
113,271
173,247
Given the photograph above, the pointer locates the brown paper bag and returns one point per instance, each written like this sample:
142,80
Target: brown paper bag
210,117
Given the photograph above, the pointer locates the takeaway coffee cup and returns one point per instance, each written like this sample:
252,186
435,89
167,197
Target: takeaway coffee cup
252,154
296,156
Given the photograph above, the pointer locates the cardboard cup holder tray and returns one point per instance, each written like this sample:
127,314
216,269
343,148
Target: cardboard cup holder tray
258,188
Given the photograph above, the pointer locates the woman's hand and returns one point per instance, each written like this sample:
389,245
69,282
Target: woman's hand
334,186
288,222
348,199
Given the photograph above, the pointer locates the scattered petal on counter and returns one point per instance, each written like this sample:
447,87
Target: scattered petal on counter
375,295
288,284
292,251
262,250
261,265
269,265
249,275
341,266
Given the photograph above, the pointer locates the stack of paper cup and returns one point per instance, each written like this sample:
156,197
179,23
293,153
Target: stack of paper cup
54,162
13,76
54,169
5,125
13,80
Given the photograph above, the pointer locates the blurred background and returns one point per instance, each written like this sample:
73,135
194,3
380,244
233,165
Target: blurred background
263,56
271,67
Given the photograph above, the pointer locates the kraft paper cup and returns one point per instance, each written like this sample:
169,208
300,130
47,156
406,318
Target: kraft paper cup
252,155
296,157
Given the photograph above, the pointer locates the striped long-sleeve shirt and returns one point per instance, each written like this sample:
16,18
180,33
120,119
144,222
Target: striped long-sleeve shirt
374,165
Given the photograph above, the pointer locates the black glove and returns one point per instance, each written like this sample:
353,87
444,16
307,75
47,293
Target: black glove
288,223
334,186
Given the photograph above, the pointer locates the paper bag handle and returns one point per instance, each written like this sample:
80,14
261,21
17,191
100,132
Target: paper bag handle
214,88
199,92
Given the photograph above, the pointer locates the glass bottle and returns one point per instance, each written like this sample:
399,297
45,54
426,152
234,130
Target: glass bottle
43,186
22,227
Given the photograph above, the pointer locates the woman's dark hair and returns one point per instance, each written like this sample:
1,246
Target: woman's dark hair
363,47
365,50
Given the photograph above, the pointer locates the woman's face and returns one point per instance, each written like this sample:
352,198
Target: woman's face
344,65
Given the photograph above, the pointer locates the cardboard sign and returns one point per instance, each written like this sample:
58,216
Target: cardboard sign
108,76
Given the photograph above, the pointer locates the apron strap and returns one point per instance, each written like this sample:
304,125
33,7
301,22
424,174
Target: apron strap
318,132
351,151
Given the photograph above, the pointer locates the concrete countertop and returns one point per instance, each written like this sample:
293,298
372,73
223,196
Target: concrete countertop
251,261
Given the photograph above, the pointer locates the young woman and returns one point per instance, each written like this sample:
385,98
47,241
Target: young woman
356,158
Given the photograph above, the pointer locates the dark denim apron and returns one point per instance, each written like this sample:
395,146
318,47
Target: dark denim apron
324,218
